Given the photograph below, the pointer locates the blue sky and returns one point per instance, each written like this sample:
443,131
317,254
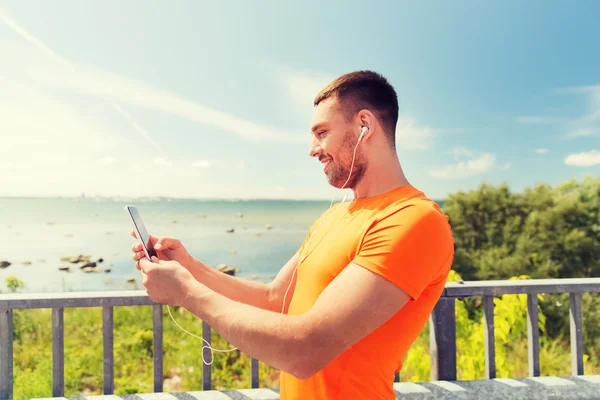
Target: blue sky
214,99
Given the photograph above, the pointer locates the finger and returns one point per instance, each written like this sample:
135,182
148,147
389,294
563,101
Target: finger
136,247
162,242
166,242
146,265
133,234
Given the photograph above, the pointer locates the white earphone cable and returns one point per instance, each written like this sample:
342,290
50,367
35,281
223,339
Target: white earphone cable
306,253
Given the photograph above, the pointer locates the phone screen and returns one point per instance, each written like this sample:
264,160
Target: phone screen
141,231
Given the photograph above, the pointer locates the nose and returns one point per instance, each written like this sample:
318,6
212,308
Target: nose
315,148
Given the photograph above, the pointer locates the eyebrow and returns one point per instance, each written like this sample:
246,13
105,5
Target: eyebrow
317,126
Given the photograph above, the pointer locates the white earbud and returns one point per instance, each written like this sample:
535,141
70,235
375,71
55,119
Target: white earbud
362,132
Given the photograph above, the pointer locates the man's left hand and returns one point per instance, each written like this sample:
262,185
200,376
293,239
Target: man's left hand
166,282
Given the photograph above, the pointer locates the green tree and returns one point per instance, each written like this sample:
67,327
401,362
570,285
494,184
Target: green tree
544,232
14,284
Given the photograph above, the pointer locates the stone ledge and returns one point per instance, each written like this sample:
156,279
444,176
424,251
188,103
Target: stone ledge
547,387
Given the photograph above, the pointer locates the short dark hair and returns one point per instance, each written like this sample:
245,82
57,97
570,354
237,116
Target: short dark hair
365,90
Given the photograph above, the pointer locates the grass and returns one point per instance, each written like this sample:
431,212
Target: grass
182,353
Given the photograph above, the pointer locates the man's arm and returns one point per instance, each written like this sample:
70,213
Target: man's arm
268,296
356,303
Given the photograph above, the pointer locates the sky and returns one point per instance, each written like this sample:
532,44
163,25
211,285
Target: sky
214,99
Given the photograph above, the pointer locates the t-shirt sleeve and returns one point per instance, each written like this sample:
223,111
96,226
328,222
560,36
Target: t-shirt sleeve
408,247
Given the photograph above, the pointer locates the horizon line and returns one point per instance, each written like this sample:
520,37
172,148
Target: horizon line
170,198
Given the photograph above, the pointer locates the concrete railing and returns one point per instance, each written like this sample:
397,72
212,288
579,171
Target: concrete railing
442,328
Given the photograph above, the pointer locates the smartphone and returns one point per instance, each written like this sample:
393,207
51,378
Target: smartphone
141,232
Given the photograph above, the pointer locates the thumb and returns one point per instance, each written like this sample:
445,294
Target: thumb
165,242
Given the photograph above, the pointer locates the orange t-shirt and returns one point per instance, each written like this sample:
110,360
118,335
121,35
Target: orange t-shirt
405,238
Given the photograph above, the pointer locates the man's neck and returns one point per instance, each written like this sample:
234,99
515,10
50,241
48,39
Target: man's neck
380,177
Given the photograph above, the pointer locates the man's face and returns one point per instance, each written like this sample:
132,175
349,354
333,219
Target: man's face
333,143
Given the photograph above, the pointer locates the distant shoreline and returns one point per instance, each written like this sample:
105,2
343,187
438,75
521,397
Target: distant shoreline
161,198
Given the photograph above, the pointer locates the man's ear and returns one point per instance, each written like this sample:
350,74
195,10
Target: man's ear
366,118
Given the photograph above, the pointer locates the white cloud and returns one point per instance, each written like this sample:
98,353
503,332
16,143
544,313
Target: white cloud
465,169
201,164
410,135
87,80
136,167
49,135
4,17
103,84
584,159
542,151
163,162
580,133
507,166
588,124
301,85
460,152
137,127
539,120
108,160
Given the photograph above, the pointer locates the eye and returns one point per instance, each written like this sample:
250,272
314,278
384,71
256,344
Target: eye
322,133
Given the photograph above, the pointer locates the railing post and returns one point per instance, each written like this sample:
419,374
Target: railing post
533,335
442,340
576,334
58,352
254,373
108,349
489,338
206,354
6,354
157,346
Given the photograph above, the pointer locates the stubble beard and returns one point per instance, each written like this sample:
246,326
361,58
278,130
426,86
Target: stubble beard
340,168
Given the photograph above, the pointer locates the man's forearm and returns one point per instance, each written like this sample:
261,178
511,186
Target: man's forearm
245,291
280,340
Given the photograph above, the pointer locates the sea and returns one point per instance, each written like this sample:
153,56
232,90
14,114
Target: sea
36,233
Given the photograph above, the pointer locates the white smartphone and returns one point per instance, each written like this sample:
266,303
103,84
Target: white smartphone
141,232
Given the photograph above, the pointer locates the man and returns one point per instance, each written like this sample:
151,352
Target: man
368,275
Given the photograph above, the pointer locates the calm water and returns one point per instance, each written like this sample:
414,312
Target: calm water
41,231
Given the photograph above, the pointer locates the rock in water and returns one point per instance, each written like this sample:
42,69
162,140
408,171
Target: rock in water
4,264
88,265
226,269
230,230
64,268
76,259
268,226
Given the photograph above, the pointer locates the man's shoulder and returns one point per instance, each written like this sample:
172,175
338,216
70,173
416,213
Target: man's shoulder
415,206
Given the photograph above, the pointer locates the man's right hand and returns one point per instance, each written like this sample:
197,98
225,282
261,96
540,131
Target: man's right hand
167,248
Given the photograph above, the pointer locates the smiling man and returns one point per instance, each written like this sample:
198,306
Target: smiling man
341,314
